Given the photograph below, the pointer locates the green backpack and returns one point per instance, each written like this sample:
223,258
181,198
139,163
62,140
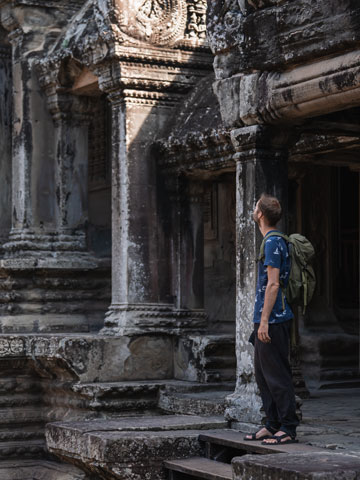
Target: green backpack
302,282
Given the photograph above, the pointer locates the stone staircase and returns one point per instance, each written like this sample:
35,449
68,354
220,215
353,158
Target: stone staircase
191,398
39,470
130,447
206,358
229,457
330,360
187,447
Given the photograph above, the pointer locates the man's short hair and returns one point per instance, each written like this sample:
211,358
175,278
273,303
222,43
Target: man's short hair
271,208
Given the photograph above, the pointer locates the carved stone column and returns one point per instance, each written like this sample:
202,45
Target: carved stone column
136,305
139,303
5,141
53,279
261,167
71,115
33,186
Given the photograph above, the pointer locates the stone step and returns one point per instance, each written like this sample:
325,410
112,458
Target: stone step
22,415
208,358
188,387
221,362
305,466
200,468
19,400
22,432
235,440
38,470
119,396
137,444
211,402
22,449
141,395
221,375
344,383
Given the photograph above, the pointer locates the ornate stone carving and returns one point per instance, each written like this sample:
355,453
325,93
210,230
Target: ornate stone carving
12,346
196,26
153,21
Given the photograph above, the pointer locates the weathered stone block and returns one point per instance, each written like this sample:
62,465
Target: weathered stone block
129,448
309,466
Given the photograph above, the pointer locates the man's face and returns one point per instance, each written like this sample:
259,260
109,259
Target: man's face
257,213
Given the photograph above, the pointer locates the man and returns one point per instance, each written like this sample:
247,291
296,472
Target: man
272,318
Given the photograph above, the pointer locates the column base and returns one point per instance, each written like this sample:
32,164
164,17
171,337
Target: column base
24,243
64,293
244,405
139,319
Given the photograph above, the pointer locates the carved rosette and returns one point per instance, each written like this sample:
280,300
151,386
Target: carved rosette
158,22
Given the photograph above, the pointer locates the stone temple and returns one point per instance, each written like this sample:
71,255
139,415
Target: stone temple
135,138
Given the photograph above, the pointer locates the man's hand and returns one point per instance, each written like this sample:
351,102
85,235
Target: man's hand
263,333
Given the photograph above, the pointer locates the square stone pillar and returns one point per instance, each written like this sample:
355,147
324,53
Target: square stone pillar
33,186
5,141
71,115
261,166
138,304
49,158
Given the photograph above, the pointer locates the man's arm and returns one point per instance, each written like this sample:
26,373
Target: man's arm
271,293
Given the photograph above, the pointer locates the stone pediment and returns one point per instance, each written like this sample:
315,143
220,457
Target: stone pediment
101,25
130,30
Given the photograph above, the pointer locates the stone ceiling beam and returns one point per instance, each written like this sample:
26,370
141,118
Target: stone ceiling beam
325,86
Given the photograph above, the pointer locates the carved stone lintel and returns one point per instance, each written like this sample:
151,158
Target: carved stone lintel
207,151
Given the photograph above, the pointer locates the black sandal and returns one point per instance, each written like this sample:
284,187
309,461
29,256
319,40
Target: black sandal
254,439
278,439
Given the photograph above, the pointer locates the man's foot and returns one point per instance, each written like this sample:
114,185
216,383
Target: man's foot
261,434
280,438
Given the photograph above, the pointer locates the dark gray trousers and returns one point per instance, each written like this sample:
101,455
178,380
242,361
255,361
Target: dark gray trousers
274,379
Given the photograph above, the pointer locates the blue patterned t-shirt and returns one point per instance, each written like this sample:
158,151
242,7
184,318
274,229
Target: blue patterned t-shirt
276,255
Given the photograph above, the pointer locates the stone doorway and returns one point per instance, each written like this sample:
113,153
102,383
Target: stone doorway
219,253
325,208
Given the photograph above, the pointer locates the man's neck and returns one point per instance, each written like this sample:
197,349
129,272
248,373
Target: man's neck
264,229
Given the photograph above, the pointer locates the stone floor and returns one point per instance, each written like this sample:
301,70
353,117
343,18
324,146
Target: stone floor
331,419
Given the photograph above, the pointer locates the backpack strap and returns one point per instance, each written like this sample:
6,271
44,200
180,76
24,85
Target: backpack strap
262,246
261,257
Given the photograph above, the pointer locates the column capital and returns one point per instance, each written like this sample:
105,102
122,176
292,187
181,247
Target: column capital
155,76
70,109
261,140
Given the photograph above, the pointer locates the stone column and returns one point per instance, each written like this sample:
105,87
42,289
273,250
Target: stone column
71,115
261,166
140,302
5,142
33,187
137,306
